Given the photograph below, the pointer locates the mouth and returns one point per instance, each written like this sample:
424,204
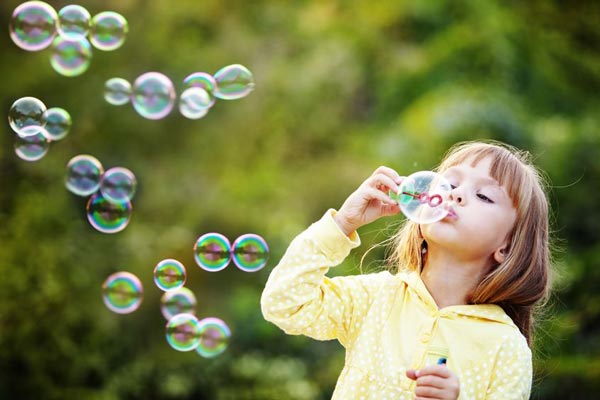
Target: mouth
451,214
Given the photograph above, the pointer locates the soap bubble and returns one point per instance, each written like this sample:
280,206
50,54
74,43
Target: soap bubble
194,103
73,22
118,185
58,123
169,274
250,252
233,82
106,216
212,252
214,337
108,30
177,301
26,116
70,57
84,173
33,25
204,81
421,197
122,292
117,91
153,95
32,147
183,332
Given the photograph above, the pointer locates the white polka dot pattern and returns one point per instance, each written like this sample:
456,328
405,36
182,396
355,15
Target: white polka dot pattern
390,323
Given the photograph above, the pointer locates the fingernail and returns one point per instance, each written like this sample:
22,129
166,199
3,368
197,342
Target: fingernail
418,373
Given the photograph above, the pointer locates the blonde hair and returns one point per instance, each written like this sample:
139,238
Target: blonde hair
522,281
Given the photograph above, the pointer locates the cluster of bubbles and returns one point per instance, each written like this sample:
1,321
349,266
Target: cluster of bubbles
109,207
213,252
36,126
422,197
153,94
70,33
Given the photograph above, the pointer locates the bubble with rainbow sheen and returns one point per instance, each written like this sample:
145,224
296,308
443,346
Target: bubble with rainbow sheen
84,173
118,185
108,30
177,301
31,148
57,123
117,91
153,95
204,81
233,82
214,337
250,252
106,216
73,22
70,57
194,103
26,116
122,292
212,252
183,332
169,274
33,25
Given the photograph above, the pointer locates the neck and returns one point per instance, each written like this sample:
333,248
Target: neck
449,279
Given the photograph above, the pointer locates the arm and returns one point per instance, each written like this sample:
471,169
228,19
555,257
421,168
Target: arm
512,374
300,299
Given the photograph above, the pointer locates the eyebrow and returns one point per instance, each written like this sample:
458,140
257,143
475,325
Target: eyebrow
487,180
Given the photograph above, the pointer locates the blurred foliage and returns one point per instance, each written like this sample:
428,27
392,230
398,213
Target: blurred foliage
341,88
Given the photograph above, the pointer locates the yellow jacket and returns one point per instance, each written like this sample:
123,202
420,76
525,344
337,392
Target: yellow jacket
390,323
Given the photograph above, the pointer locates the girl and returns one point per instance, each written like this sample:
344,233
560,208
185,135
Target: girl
454,319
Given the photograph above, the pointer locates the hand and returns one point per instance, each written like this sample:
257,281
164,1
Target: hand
370,201
435,382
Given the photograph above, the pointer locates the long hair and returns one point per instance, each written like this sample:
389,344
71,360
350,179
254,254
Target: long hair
522,281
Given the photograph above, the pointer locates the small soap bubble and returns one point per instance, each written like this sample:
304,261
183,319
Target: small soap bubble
70,57
33,25
183,332
73,22
108,30
194,103
31,148
117,91
118,185
422,195
122,292
212,252
169,274
106,216
204,81
177,301
153,95
214,337
84,173
58,123
250,252
26,116
233,82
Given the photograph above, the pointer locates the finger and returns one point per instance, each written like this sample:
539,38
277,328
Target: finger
439,370
383,197
389,172
410,374
383,183
428,392
431,381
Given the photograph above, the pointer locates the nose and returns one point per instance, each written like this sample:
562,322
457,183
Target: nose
457,196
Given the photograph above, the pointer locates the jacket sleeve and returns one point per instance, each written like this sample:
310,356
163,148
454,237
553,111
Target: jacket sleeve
300,299
513,372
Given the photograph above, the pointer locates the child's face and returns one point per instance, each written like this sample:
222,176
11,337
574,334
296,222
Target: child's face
481,215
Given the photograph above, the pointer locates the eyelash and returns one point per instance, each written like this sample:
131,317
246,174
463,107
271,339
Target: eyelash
483,197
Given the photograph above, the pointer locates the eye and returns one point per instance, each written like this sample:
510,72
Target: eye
485,198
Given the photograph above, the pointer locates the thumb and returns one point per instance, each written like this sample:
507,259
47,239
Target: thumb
411,374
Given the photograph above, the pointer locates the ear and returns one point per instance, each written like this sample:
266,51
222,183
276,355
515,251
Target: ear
501,253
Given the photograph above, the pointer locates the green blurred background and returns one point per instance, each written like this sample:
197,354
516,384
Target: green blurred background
341,88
